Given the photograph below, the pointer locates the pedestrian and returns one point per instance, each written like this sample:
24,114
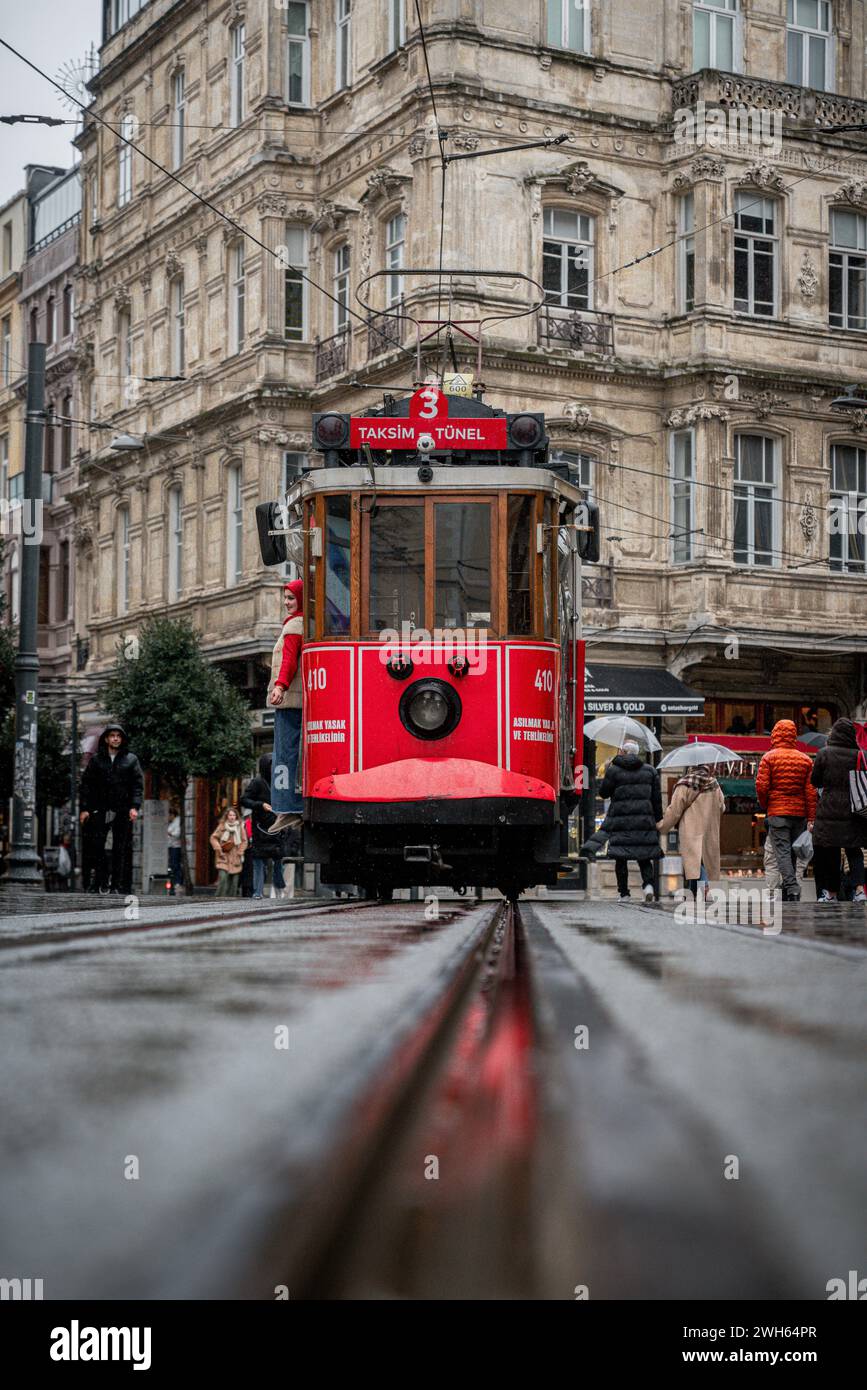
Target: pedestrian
111,797
635,808
696,808
773,877
836,827
176,857
247,870
229,844
785,794
284,693
264,848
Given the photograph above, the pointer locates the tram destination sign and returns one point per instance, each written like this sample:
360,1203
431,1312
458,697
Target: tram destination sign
428,420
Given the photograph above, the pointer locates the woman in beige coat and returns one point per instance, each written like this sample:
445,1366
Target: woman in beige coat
696,807
229,843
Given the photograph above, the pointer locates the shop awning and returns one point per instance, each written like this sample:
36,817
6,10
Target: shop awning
738,786
637,690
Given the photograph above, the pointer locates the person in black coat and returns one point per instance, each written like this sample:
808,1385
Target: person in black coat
263,847
836,827
635,807
111,795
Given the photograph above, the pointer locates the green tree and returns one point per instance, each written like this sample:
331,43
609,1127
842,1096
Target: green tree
183,717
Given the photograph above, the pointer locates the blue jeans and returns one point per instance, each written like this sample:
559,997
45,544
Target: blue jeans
259,876
287,745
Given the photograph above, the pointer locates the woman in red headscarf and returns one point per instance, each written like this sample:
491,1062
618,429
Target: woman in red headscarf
284,693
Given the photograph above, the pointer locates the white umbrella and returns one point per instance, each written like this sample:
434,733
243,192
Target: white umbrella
693,754
615,729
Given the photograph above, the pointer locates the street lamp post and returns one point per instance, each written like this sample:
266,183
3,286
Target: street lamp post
23,866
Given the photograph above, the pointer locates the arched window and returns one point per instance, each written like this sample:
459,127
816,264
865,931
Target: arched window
756,250
847,523
395,254
340,288
756,500
567,258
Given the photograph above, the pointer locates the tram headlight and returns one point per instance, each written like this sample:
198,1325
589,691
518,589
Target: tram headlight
526,431
330,431
430,709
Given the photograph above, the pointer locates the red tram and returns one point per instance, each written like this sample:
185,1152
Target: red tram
442,664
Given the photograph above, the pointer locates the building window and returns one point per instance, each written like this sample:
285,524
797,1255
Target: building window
293,466
340,288
7,247
847,270
396,24
50,319
295,303
682,495
808,44
43,609
6,349
569,25
755,500
65,587
179,118
714,34
4,467
178,326
395,246
344,42
66,428
848,515
123,560
67,310
297,56
238,293
755,255
49,430
567,258
580,467
124,348
124,161
34,325
119,11
236,74
686,250
175,543
14,587
234,527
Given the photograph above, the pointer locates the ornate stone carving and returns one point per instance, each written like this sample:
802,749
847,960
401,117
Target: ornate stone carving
202,244
545,61
579,179
705,167
417,146
328,216
808,279
366,241
82,535
808,519
857,420
462,140
578,416
173,265
84,356
690,414
763,175
854,192
145,282
386,180
300,212
122,300
764,403
271,205
273,437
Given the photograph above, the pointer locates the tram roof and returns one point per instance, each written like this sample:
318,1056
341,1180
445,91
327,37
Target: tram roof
459,478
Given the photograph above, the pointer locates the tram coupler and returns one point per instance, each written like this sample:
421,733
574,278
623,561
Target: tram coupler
425,854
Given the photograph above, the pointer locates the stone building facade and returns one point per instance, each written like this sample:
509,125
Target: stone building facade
692,387
13,248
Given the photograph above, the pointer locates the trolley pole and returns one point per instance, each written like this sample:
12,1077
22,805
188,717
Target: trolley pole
23,867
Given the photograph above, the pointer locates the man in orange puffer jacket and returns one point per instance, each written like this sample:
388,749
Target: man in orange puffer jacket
787,796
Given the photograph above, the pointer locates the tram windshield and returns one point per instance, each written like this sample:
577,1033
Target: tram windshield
396,566
463,564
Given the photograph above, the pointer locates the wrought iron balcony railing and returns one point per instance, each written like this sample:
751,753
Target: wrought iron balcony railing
584,330
385,332
332,355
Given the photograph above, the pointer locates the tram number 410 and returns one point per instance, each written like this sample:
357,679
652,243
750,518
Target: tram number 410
317,678
544,680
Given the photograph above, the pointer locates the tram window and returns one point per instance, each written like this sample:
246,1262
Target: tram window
337,571
547,605
310,579
518,559
463,564
396,567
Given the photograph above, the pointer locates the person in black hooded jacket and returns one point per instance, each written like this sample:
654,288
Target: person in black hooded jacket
635,807
836,827
112,785
263,847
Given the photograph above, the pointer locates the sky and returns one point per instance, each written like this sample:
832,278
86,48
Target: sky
51,33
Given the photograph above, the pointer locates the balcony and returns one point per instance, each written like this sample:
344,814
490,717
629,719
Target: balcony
582,330
383,332
332,355
729,90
